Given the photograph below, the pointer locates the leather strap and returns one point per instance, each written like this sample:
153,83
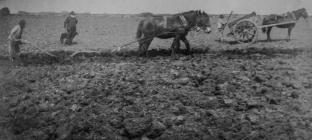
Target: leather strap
183,20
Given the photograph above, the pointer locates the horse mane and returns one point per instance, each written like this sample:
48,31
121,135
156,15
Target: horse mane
300,10
197,12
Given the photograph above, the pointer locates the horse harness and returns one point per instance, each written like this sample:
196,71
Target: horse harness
165,21
183,20
285,17
292,15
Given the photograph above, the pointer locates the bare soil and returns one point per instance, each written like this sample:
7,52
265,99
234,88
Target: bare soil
221,91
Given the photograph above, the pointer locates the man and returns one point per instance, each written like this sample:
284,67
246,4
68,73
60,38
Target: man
15,39
220,27
70,27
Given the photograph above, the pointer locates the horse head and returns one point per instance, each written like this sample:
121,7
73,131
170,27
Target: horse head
200,20
305,13
302,13
203,21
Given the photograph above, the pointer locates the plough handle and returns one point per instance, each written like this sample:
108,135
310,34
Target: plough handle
227,21
46,52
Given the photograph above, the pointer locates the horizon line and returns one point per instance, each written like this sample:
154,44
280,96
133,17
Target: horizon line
98,13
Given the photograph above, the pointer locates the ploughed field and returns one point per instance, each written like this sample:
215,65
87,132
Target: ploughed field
222,91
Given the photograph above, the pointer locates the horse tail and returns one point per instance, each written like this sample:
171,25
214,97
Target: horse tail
139,30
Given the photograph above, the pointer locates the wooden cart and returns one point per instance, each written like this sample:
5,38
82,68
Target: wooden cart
245,30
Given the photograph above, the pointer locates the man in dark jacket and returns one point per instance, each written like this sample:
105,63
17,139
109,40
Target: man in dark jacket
70,27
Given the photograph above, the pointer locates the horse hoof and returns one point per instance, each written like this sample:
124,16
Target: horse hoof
187,53
140,55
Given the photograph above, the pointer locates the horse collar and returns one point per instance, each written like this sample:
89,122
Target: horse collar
293,15
166,21
288,16
183,20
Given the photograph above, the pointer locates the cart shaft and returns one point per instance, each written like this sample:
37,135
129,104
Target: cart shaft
271,25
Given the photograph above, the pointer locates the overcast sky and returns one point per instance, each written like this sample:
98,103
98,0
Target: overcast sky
158,6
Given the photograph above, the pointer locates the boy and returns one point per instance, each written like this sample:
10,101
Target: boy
70,27
15,39
220,27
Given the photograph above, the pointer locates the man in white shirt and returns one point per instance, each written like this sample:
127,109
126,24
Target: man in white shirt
15,39
220,27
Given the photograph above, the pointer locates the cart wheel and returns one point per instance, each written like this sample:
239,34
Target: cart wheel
245,31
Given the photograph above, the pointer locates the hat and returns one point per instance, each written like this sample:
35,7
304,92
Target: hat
221,16
72,13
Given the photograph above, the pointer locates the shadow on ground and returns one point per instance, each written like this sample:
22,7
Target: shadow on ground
64,57
275,40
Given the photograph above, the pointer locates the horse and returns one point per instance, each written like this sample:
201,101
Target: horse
274,18
174,26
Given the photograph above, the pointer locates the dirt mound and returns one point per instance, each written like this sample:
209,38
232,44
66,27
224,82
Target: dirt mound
204,96
223,91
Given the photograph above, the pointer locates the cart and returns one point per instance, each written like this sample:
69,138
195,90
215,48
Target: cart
245,29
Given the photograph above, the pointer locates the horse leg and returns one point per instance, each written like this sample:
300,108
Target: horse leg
289,33
140,49
174,46
187,45
145,46
269,33
178,47
142,43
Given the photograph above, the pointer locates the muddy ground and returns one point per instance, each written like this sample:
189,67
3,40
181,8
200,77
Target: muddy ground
221,91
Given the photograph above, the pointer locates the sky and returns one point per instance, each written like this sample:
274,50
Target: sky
157,6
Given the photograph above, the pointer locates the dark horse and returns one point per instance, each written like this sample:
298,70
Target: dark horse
174,26
273,19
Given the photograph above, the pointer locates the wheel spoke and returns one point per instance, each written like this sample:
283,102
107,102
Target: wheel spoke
245,31
250,33
247,35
